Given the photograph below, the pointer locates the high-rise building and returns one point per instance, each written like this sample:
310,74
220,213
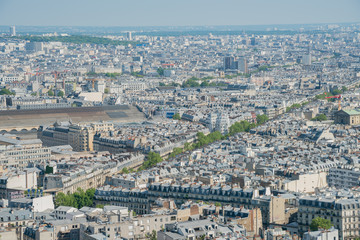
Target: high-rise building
306,59
222,123
229,62
12,31
34,46
129,36
252,41
242,65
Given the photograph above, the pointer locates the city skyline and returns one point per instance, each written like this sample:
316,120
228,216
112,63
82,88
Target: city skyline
184,13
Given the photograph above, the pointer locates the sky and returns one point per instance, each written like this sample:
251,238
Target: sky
176,13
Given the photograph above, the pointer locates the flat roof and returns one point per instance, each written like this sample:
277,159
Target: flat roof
17,119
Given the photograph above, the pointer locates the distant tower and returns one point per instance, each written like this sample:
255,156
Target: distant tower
242,65
12,31
129,37
253,41
306,59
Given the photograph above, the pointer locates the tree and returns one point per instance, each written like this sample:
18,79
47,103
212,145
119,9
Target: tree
202,237
160,71
152,159
152,235
260,119
176,116
91,74
344,89
6,91
176,151
106,90
78,199
320,223
191,82
60,94
187,146
112,75
50,93
335,91
319,117
204,84
49,169
125,170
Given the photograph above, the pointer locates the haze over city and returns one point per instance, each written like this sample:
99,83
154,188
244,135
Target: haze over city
176,13
179,120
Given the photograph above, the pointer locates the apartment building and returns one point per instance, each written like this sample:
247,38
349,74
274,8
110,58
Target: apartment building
344,214
272,208
18,153
344,177
79,136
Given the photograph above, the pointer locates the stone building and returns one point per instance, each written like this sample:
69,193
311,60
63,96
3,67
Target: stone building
343,214
348,117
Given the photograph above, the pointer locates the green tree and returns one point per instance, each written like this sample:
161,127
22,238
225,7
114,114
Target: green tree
6,91
319,117
151,160
304,103
191,82
176,116
160,71
151,236
294,106
112,75
137,74
260,119
176,151
91,74
78,199
49,169
125,170
187,146
60,94
34,94
344,89
202,237
335,91
50,93
320,223
100,206
204,84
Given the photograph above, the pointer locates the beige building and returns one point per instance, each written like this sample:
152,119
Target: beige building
348,117
306,183
18,153
112,227
79,136
343,214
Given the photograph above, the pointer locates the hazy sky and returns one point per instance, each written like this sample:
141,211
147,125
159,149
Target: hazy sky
175,13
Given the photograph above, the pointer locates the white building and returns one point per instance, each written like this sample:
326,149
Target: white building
222,123
331,234
12,31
